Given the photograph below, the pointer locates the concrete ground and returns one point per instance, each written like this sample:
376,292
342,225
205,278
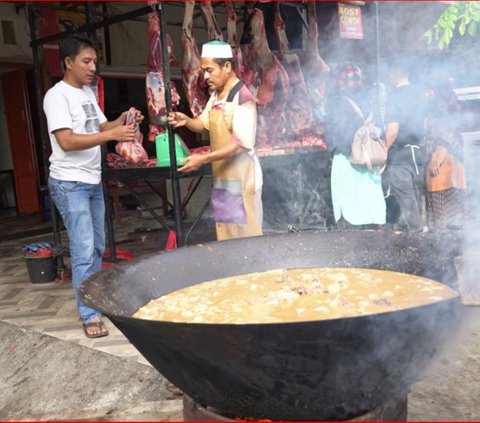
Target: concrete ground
50,371
45,378
450,389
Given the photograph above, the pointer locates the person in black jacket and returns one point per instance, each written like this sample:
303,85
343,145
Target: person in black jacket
405,122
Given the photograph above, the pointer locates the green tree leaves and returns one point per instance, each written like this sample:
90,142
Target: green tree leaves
462,17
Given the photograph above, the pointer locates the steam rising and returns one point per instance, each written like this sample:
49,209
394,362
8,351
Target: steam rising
298,189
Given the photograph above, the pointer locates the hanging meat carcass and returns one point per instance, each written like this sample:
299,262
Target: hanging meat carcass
132,152
298,110
194,85
213,28
155,88
248,55
241,68
315,70
272,82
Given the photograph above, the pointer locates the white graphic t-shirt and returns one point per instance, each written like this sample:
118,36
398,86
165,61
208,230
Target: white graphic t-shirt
75,108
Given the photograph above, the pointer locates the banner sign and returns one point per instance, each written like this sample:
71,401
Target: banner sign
350,21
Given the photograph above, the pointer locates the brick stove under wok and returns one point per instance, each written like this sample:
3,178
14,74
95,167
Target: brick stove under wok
393,410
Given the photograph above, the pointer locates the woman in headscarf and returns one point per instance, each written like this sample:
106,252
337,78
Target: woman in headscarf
357,195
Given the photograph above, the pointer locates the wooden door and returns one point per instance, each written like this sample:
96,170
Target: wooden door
22,146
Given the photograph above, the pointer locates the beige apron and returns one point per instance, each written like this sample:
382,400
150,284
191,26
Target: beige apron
233,193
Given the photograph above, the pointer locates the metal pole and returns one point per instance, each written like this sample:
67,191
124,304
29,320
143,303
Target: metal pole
95,25
106,35
377,44
42,123
89,19
177,201
92,33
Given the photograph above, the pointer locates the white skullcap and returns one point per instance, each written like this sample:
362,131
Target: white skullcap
217,50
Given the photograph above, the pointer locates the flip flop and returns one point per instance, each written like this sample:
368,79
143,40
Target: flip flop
100,325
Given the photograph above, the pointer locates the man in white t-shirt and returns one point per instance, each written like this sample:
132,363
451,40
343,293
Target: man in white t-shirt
77,127
230,117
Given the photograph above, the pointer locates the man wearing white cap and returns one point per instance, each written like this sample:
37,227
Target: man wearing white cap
230,116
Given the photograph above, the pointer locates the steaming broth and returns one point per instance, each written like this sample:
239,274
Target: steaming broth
290,295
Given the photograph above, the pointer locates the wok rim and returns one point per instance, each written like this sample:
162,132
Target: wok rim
108,276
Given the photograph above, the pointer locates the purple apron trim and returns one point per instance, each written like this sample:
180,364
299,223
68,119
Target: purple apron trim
228,207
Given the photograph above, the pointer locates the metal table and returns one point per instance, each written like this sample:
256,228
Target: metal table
128,175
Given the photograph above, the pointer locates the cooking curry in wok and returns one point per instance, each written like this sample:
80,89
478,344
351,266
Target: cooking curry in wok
335,368
293,295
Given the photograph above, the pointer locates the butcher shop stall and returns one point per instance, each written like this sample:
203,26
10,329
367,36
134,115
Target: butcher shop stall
317,324
149,59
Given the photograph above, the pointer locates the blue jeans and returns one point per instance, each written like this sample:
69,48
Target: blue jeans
82,208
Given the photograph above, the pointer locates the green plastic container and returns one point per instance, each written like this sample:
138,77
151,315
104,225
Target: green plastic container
163,151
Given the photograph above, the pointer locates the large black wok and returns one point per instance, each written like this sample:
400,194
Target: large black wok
334,369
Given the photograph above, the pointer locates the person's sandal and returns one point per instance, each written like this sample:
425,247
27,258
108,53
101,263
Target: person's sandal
100,325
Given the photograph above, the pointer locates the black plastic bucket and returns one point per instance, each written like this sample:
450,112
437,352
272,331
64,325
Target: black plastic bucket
41,269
